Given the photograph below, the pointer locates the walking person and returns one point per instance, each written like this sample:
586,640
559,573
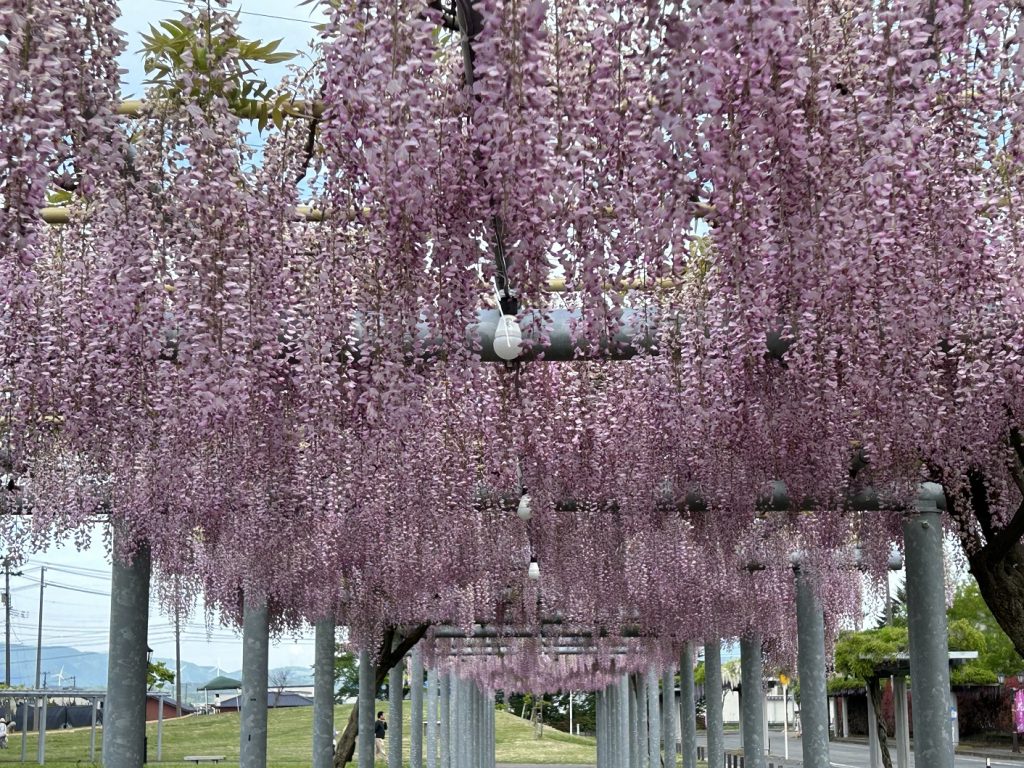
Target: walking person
380,728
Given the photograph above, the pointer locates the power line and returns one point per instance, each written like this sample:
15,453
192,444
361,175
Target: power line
252,13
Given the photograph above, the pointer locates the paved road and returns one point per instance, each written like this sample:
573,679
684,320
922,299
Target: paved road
854,755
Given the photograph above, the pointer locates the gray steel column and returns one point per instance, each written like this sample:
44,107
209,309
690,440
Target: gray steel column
668,711
653,719
713,701
124,709
642,738
255,649
395,712
899,698
323,695
929,640
41,744
431,717
446,718
454,722
633,716
687,708
367,680
752,706
810,626
416,705
598,727
624,728
92,732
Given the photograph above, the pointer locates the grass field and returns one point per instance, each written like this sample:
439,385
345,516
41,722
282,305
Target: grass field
289,741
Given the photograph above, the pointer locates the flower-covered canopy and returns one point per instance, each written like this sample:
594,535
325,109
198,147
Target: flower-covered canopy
808,211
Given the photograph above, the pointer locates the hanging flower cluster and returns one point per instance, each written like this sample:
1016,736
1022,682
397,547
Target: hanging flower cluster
296,410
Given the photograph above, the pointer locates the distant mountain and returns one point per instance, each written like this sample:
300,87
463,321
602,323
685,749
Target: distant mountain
64,666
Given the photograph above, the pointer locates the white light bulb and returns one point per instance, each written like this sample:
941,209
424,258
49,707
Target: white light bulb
534,570
525,511
508,338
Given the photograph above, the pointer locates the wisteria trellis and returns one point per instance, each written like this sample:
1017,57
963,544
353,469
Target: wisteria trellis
244,392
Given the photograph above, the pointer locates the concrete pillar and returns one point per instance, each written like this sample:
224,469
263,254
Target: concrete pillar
323,694
634,722
929,640
752,705
687,708
445,745
255,652
599,743
642,740
713,701
394,733
668,715
846,719
416,705
432,716
624,729
367,703
653,718
124,709
899,700
811,661
41,744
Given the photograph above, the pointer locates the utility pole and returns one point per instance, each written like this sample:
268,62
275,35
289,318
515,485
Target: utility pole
7,620
177,656
39,648
39,636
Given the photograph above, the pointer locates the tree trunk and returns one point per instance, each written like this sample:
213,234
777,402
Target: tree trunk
875,692
387,658
1001,583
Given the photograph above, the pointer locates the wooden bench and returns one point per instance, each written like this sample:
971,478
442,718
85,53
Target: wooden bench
197,759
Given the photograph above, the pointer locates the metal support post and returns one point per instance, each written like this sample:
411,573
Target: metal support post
810,623
752,705
653,719
687,707
255,653
899,700
92,732
124,710
713,702
395,712
323,694
41,745
642,729
367,685
599,727
446,718
634,721
624,722
431,718
668,715
160,730
929,642
416,705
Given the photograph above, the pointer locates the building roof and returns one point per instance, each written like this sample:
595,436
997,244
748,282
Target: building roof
221,683
274,699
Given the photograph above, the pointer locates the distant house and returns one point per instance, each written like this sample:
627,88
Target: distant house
274,700
153,702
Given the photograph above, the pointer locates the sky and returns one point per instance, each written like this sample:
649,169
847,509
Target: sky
76,599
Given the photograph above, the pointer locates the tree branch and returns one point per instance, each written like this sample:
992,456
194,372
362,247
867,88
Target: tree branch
387,658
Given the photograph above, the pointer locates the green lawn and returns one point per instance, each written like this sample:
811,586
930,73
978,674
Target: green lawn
289,740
